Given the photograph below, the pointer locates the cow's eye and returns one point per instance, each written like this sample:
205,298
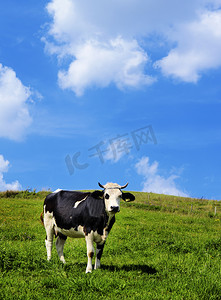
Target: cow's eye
107,196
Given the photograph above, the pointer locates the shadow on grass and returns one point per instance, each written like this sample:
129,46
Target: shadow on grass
131,267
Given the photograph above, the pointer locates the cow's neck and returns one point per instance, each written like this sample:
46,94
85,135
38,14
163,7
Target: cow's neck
110,220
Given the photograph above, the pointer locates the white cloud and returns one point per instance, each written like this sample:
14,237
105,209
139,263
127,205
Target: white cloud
198,48
96,40
154,182
103,40
4,165
14,113
75,21
119,61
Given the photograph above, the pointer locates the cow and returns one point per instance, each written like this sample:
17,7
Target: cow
88,215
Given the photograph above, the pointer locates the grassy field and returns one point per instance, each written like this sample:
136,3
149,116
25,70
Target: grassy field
161,247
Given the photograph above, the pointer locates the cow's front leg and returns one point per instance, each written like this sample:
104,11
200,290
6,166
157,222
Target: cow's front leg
99,252
90,251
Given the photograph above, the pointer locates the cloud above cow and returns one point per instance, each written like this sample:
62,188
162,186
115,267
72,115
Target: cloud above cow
99,64
14,113
102,43
154,182
198,48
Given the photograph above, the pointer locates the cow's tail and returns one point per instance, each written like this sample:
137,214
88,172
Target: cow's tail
42,218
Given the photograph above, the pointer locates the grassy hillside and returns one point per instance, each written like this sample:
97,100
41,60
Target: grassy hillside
161,247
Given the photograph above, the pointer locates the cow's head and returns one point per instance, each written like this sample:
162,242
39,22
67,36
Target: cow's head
112,195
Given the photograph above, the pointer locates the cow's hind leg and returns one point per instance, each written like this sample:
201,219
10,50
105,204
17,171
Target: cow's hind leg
90,251
60,246
49,228
99,252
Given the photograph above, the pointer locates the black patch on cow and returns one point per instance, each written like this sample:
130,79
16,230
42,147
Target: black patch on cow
107,196
90,213
128,196
62,236
97,194
100,248
73,197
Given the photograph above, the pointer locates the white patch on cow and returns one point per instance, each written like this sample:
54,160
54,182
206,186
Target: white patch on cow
49,227
72,232
99,238
58,190
78,202
48,218
48,245
90,250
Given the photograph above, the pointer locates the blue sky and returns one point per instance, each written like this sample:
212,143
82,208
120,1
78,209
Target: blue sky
121,91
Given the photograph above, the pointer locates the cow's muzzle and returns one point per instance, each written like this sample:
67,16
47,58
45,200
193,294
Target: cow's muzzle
115,209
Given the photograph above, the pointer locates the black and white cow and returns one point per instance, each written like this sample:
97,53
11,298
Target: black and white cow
82,215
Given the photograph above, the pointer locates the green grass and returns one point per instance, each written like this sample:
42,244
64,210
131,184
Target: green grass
157,249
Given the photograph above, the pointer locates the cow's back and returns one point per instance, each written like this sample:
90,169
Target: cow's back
71,209
61,205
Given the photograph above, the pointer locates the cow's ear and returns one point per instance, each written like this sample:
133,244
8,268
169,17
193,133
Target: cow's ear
97,194
128,197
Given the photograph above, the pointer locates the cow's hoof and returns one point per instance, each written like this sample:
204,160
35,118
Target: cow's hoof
97,267
63,260
88,271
